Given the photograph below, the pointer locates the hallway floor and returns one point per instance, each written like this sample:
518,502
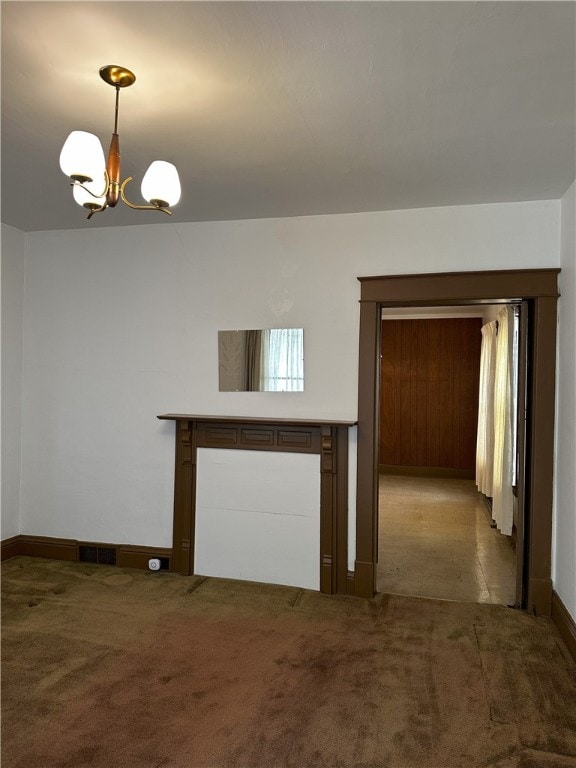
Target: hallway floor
435,540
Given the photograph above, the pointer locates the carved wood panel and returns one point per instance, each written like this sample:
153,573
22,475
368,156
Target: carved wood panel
261,438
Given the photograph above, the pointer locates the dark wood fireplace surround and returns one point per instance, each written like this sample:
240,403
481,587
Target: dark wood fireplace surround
329,439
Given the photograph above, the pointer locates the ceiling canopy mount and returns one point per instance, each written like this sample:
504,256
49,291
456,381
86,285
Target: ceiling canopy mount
120,77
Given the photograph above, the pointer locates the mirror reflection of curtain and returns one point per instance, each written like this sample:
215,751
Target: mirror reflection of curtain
502,497
253,360
485,441
282,357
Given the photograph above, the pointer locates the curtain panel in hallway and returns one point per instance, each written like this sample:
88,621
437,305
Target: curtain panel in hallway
495,444
502,497
485,443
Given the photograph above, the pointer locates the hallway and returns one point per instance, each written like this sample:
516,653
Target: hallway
435,541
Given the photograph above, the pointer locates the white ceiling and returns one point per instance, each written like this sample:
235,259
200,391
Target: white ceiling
292,108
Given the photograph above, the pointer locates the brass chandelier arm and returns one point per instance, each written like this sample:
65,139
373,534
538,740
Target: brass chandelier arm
77,183
136,207
93,207
95,210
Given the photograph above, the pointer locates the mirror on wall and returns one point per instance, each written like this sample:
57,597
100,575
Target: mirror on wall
267,360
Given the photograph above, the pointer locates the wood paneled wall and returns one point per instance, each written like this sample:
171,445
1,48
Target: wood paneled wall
430,373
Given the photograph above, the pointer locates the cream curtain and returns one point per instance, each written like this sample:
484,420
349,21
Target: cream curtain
495,447
485,441
502,497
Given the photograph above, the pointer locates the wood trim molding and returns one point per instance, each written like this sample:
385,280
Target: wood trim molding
266,420
539,287
326,438
564,623
460,287
367,472
341,512
49,547
364,578
10,548
52,548
136,556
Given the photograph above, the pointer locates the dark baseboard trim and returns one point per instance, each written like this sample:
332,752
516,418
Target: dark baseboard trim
127,555
10,548
49,547
459,474
564,623
135,556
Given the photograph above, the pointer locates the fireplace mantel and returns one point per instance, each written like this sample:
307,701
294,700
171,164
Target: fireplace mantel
327,438
256,420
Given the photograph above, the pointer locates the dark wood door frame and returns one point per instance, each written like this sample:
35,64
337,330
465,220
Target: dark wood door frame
539,287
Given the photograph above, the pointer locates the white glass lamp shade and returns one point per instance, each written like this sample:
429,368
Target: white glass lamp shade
84,198
161,184
82,156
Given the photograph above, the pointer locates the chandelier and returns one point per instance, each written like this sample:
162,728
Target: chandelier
96,183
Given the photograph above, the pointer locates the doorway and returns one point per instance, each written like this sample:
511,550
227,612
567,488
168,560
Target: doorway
436,535
538,288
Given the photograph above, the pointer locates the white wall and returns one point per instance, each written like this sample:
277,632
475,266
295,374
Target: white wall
121,324
564,560
12,271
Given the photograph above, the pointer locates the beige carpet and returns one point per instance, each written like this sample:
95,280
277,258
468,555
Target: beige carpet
128,669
